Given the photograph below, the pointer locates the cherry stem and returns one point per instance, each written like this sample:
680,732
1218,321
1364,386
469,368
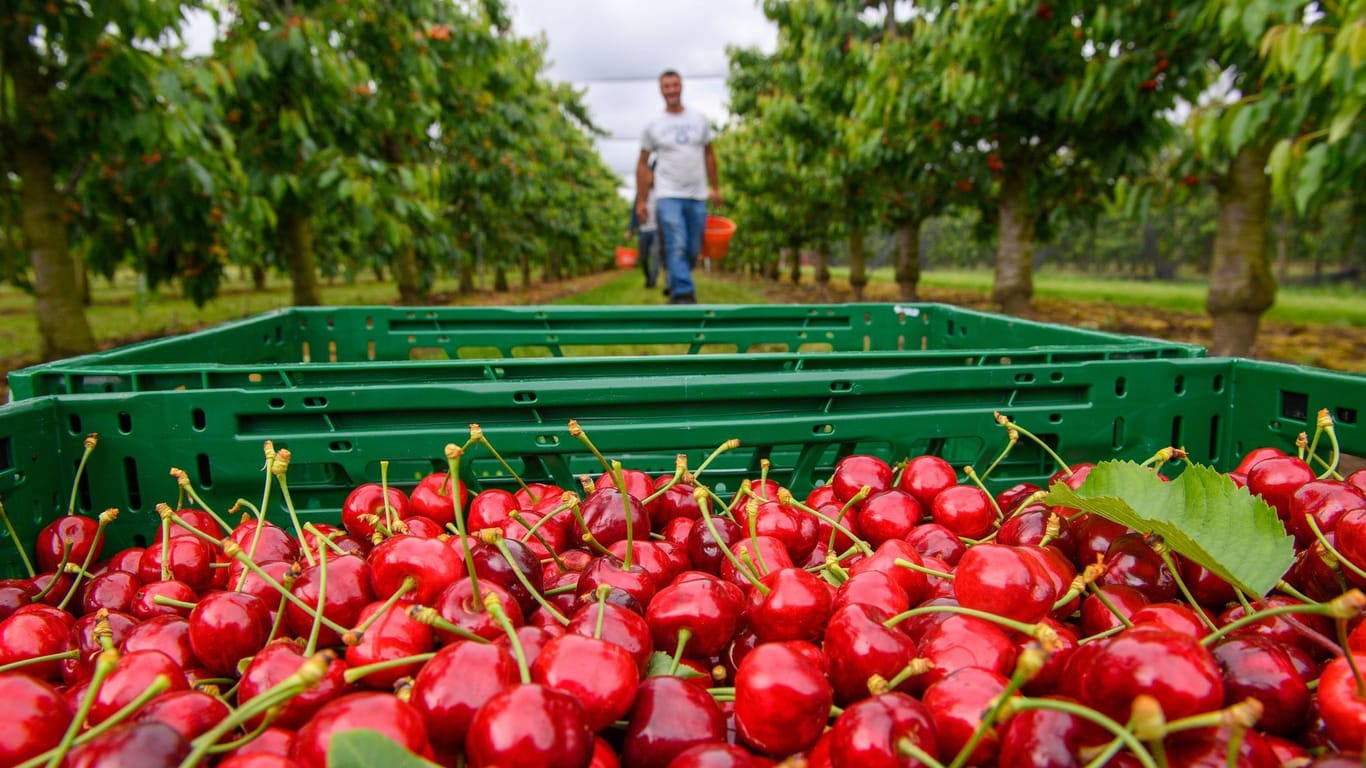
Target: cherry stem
39,660
453,454
902,562
275,625
312,646
324,540
1175,571
630,518
165,547
1019,626
430,617
1010,425
476,433
684,635
172,602
577,431
1109,605
833,568
533,532
14,537
603,591
89,443
680,468
1012,437
496,539
104,667
106,517
241,557
917,666
785,497
905,747
357,673
752,515
183,480
704,504
266,721
408,585
977,481
862,494
495,608
1140,752
384,493
279,467
1314,609
729,445
56,575
261,510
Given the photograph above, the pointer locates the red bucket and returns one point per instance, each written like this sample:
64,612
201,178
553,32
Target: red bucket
716,238
626,257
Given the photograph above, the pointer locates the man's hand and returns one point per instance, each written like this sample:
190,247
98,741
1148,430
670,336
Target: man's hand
640,210
714,193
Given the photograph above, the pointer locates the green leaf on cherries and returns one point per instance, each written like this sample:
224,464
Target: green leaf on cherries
661,663
1201,514
363,748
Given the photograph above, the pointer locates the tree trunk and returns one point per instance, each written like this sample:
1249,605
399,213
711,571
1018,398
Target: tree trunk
1013,289
526,270
63,327
294,239
858,263
908,258
258,277
823,266
1241,286
466,271
795,268
1285,247
500,279
408,276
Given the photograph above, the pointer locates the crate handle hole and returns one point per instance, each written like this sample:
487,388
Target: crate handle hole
1055,418
524,398
1024,378
125,422
1117,436
277,402
74,424
370,323
315,402
823,429
1346,415
339,446
1121,386
130,482
1179,386
547,440
1219,383
205,471
1055,376
841,386
1295,405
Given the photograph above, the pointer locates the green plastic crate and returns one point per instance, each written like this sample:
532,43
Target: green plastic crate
802,420
328,346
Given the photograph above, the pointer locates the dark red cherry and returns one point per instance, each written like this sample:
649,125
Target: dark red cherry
1173,668
131,745
707,607
33,717
529,726
191,713
782,698
600,675
272,665
73,532
868,733
669,716
226,627
854,472
392,717
455,683
1260,668
1276,479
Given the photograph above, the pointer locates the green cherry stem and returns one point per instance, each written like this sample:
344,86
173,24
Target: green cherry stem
312,646
704,504
684,635
752,521
977,481
1349,604
183,480
1109,604
453,454
35,660
158,686
495,608
106,517
1161,548
89,443
1041,632
279,467
785,497
389,517
61,568
905,747
429,616
904,563
1010,425
310,673
1027,665
1121,733
354,674
104,667
14,538
494,537
477,433
680,469
729,445
620,482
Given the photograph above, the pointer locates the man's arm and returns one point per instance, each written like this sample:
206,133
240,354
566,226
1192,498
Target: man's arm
642,183
713,181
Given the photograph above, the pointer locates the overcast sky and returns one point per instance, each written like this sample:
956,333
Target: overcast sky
615,49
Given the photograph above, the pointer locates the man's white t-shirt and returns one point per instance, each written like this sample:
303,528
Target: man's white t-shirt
677,141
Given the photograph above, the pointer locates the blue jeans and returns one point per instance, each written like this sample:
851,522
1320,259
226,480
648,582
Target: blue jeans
648,254
682,221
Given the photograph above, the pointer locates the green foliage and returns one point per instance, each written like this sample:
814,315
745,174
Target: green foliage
364,748
1202,514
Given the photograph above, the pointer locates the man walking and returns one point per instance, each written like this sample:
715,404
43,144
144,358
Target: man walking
684,180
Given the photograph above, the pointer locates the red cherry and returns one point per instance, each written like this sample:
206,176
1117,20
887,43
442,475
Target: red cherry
1325,501
75,532
394,635
858,645
703,550
854,472
271,544
1276,479
112,590
189,561
765,552
29,635
144,599
605,514
669,716
428,562
33,717
276,662
490,508
169,634
1012,497
348,591
797,530
458,605
875,588
610,570
1260,668
1003,580
1029,526
889,514
1171,667
782,698
718,754
368,499
914,583
934,540
964,509
707,607
956,704
142,744
529,726
1047,738
1097,617
795,607
191,713
677,503
867,734
623,627
1255,455
134,674
1131,562
455,683
432,498
226,627
390,716
963,641
925,476
600,675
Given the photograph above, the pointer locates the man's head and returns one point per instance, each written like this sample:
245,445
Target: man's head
671,88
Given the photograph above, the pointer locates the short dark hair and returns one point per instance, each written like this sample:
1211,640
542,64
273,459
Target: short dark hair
670,73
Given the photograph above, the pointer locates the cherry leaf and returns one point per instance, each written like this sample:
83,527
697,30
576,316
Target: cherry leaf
1202,514
363,748
661,664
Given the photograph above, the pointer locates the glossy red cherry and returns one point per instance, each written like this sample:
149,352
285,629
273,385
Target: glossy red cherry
191,713
707,607
455,683
889,514
112,590
428,562
190,561
226,627
369,499
168,634
796,606
391,717
1277,478
704,551
718,754
796,529
1260,668
854,472
963,641
677,503
669,716
33,717
858,645
348,591
29,635
623,627
1048,738
868,733
129,745
394,635
600,675
605,514
529,726
458,605
925,476
782,698
1325,501
272,665
432,498
884,558
73,532
964,509
134,674
1132,562
1003,580
145,606
490,508
1343,710
272,543
956,704
1173,668
934,540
